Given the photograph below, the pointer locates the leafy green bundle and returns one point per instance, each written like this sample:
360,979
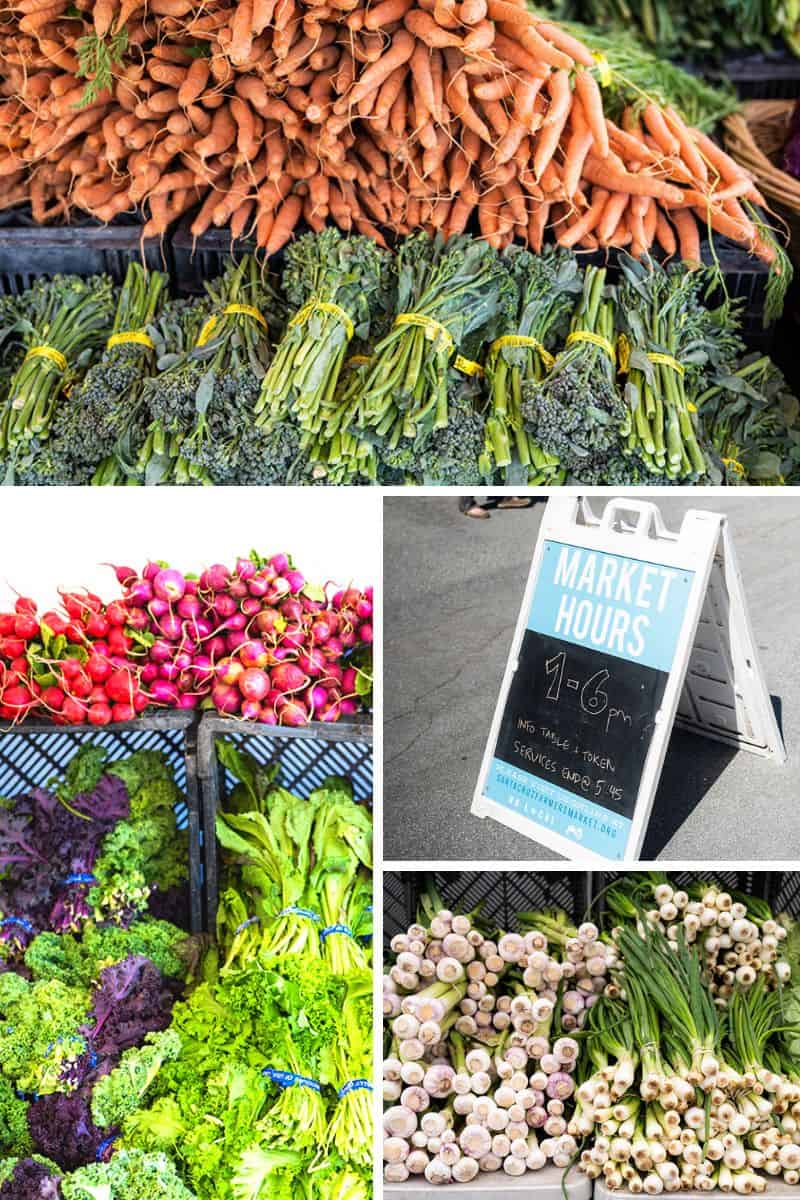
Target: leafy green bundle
202,403
450,296
62,325
104,408
545,285
575,412
336,286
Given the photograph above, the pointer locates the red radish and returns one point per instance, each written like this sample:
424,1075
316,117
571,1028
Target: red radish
161,650
75,634
12,647
169,585
71,668
269,620
312,662
24,605
348,707
125,575
364,608
229,670
189,606
100,714
235,639
251,710
268,716
26,627
253,654
226,699
74,711
122,712
7,624
365,634
168,670
330,712
80,686
348,638
120,686
151,570
216,578
149,673
280,563
138,620
171,626
287,677
98,668
140,701
216,647
250,606
293,713
349,679
96,625
141,594
295,579
164,692
159,608
188,700
245,568
259,586
254,684
52,698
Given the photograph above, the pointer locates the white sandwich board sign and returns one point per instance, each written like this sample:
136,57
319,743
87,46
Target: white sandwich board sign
626,629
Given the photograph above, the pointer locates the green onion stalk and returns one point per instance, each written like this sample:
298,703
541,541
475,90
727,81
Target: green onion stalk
62,324
449,298
575,412
337,286
545,289
658,311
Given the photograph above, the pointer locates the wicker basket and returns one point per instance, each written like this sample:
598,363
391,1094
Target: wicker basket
755,137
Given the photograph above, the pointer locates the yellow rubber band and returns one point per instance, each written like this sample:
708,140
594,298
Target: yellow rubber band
666,360
691,407
467,366
735,465
315,305
50,353
520,339
131,337
606,74
245,310
623,354
434,330
357,360
594,339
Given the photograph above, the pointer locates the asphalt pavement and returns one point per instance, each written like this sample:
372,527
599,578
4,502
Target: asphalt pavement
453,587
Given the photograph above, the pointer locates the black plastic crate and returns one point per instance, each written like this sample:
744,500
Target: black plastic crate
35,752
771,76
29,251
307,755
501,894
199,259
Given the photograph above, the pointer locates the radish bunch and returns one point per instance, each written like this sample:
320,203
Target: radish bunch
72,666
254,641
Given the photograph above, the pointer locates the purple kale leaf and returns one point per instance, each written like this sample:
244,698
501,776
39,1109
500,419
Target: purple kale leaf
62,1129
31,1181
132,999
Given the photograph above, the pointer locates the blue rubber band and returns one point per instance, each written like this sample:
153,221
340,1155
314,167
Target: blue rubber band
287,1079
79,878
245,924
331,929
293,910
101,1149
355,1085
21,921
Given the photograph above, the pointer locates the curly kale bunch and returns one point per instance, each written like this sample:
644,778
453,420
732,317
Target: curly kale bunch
576,413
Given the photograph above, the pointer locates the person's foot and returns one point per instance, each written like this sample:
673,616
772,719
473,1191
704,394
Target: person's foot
515,502
477,511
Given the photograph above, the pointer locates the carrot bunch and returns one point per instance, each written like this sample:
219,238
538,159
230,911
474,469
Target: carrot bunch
382,116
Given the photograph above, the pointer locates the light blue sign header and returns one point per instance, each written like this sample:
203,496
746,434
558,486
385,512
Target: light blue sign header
626,607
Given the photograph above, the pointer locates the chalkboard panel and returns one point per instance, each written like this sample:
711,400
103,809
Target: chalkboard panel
581,719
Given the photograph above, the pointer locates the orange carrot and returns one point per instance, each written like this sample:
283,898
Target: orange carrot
400,51
385,12
572,234
587,90
664,234
571,46
657,128
423,26
195,82
579,144
550,133
688,235
606,173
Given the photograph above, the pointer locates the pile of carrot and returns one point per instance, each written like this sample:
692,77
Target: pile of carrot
383,116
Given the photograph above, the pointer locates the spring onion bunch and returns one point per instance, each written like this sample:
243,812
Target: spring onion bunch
478,1073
